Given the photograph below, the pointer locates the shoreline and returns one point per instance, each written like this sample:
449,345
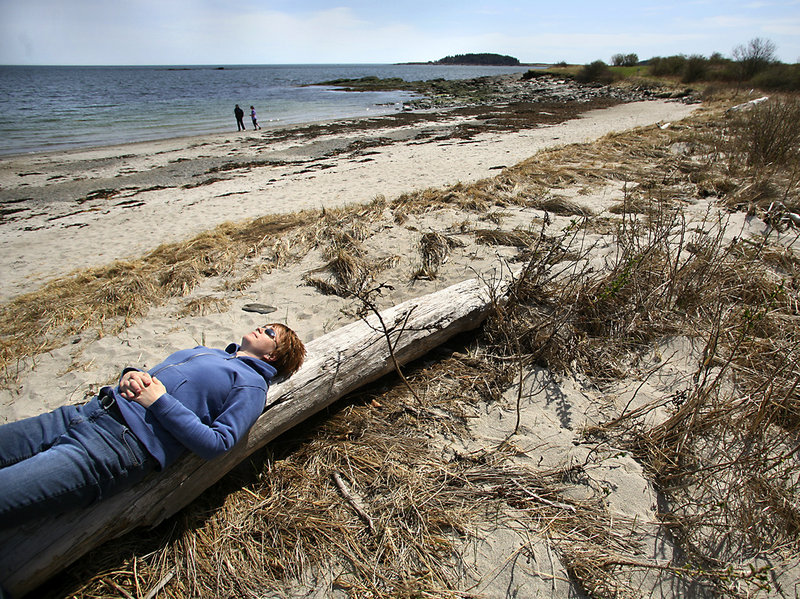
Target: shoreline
266,127
190,104
116,149
429,96
91,203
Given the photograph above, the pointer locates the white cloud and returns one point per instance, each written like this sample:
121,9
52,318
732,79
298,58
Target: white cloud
787,27
302,31
727,22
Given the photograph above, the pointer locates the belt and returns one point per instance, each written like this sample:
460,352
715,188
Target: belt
109,403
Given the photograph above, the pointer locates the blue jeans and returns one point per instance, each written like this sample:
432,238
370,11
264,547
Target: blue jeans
66,459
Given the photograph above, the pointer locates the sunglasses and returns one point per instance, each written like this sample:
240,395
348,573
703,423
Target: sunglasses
270,332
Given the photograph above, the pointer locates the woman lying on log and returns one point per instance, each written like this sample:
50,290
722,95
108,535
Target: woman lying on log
201,400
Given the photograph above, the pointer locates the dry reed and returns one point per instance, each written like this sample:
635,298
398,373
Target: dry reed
114,296
434,249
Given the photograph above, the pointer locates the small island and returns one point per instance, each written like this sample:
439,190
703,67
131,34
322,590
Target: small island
484,59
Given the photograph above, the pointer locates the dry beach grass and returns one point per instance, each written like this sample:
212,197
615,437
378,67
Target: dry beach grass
395,491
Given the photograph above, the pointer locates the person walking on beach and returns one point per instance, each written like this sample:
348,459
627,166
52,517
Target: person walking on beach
255,120
239,118
201,400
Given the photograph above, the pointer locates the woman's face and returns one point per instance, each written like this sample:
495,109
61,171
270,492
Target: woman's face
262,342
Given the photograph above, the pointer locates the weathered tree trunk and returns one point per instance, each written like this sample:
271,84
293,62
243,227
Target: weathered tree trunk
337,364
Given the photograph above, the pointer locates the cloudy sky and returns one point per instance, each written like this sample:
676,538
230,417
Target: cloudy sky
187,32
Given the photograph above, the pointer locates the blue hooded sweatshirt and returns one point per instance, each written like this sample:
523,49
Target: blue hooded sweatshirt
213,398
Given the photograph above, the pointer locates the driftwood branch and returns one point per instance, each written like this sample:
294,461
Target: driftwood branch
337,364
354,502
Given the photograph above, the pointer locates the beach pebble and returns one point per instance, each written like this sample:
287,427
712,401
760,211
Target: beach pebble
259,308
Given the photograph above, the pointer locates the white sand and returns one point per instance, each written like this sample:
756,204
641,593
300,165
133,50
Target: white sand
106,231
549,436
56,235
40,246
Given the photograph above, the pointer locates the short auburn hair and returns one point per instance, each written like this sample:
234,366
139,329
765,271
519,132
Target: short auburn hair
289,356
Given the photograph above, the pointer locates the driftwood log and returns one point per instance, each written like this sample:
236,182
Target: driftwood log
336,364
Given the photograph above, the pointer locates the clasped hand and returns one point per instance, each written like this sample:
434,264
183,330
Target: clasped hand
140,387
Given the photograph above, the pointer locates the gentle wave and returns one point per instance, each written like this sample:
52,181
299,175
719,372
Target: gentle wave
44,108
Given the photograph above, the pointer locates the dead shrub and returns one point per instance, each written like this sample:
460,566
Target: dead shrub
517,238
434,248
768,134
559,205
201,306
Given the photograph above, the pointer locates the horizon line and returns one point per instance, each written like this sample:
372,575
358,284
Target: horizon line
269,64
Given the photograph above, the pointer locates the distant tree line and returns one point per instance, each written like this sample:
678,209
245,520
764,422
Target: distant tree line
624,60
479,59
754,64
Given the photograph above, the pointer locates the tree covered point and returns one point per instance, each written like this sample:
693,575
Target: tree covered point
480,59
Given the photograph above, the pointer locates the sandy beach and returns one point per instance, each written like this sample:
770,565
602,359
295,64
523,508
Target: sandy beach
85,208
88,208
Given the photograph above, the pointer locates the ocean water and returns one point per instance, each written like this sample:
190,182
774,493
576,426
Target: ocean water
48,108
